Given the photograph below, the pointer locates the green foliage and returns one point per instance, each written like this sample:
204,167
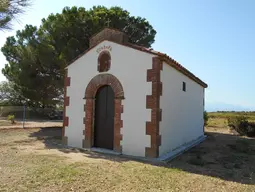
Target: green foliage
9,10
37,56
242,125
237,120
205,118
10,94
11,118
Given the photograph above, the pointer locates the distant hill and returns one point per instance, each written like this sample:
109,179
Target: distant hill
211,107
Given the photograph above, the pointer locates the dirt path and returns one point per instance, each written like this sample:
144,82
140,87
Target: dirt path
31,124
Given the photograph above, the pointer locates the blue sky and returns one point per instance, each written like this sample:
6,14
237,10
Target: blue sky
214,39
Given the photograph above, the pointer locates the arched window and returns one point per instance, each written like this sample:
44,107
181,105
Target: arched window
104,61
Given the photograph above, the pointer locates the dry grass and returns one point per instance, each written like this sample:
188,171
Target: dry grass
5,123
31,160
249,115
217,122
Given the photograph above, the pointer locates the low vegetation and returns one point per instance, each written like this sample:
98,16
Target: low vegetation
11,118
226,114
205,118
242,123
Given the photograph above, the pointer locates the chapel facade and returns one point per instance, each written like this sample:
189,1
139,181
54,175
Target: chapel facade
131,100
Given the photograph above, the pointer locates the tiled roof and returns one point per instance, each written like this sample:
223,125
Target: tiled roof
170,61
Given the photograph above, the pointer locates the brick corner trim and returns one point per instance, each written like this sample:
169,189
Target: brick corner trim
153,103
90,93
67,82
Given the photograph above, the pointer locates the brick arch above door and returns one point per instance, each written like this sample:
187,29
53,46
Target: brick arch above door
101,80
90,93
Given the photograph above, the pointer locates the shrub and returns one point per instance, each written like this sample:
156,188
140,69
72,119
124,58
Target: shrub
241,125
251,129
11,118
205,118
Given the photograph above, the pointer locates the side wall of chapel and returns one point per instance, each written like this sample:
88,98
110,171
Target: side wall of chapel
182,110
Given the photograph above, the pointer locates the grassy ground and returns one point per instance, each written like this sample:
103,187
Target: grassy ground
31,160
217,122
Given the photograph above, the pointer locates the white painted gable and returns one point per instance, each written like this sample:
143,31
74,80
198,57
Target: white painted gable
130,67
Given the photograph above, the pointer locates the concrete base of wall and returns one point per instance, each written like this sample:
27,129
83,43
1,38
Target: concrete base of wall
178,151
163,158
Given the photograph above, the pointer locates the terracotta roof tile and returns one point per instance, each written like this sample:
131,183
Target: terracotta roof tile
170,61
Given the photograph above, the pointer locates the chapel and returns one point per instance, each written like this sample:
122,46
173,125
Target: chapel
131,100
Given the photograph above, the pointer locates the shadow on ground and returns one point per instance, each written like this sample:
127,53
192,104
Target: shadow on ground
224,156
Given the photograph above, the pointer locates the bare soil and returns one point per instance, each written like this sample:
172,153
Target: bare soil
35,160
4,124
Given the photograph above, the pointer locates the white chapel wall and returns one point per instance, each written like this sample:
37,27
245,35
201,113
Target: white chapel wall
130,67
182,112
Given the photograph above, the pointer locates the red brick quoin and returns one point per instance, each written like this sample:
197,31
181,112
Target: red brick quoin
153,103
90,93
67,81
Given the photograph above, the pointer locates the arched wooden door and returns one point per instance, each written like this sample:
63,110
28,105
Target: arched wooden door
104,118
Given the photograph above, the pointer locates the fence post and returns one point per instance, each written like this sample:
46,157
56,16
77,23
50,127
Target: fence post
24,115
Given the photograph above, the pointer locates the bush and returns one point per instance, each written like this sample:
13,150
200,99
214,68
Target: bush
11,118
205,118
241,125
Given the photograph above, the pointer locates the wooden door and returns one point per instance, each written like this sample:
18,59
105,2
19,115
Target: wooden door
104,118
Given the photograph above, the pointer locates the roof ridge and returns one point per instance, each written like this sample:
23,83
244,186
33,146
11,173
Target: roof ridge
177,65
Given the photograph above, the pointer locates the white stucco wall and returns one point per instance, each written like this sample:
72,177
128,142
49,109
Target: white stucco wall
182,112
130,67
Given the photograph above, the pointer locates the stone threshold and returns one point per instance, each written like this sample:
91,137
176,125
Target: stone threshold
106,151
